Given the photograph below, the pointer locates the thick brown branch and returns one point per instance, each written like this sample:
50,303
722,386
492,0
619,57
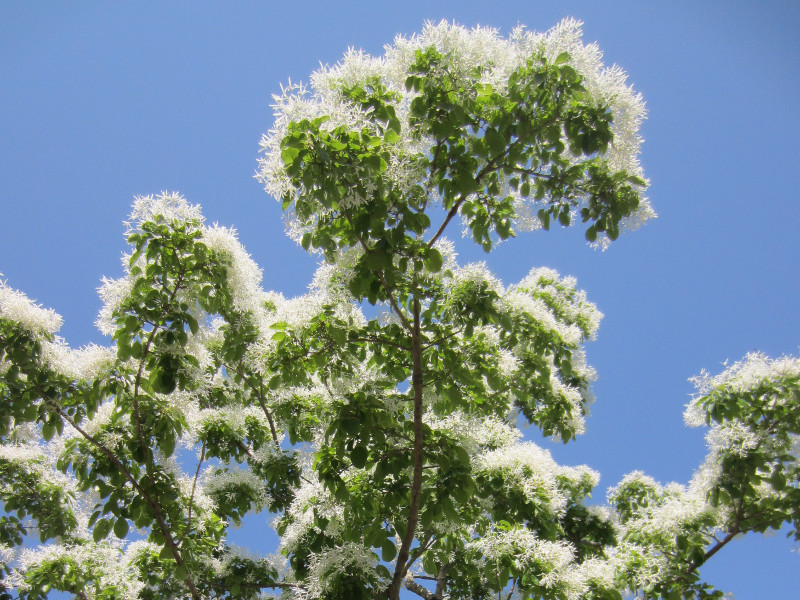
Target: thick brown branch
452,213
413,586
441,580
259,392
270,420
137,382
416,483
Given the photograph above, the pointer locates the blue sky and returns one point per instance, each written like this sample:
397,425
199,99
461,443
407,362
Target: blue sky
103,101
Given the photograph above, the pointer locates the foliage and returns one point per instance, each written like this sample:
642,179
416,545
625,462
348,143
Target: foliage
384,440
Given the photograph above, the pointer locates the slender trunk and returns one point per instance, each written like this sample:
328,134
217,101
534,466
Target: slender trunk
416,483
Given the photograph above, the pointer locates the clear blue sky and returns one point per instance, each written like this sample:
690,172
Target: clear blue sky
103,101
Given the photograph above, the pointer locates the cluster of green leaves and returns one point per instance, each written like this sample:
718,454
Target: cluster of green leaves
768,409
29,385
543,137
682,549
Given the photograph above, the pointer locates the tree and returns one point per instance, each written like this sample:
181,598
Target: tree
377,415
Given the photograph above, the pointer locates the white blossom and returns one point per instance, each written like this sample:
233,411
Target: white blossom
348,559
550,560
169,205
84,363
562,295
745,375
113,293
475,433
228,483
17,307
243,275
526,466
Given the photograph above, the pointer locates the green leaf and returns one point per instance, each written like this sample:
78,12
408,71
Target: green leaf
433,260
388,550
359,457
167,445
778,481
544,217
123,350
562,58
495,140
101,529
121,528
288,155
429,563
383,571
163,381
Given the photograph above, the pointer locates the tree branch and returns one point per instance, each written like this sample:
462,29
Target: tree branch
732,533
481,174
380,340
191,496
259,392
413,586
416,483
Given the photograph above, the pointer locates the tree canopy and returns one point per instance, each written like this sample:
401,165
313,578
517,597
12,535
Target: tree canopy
378,415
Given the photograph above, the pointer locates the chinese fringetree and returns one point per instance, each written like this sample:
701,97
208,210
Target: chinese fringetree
376,417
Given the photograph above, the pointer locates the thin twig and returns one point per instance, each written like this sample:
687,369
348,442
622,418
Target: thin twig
191,496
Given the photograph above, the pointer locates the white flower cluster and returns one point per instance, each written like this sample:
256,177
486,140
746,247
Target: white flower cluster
767,384
244,276
562,295
173,208
477,273
347,560
311,496
473,432
747,374
16,306
113,293
532,470
84,363
553,562
232,417
648,538
107,563
217,483
169,205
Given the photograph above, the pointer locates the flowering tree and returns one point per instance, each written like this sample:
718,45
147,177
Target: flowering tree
376,416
